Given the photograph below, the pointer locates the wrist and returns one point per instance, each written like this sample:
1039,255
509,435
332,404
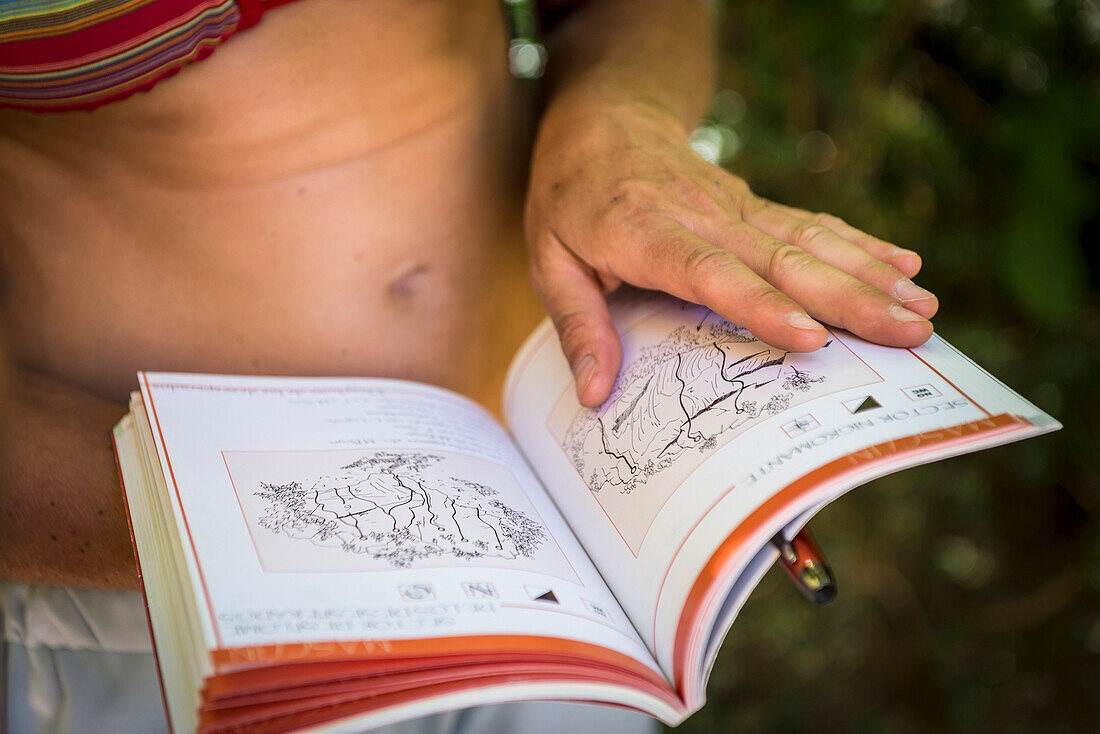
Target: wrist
601,99
602,116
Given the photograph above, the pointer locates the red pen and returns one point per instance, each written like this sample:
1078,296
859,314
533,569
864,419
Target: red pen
806,565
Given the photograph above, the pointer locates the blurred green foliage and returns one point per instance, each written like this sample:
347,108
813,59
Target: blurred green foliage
970,132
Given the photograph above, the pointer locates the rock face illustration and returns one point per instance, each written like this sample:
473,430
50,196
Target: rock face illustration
685,393
400,507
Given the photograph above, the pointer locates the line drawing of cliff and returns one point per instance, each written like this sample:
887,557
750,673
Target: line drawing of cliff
689,391
400,507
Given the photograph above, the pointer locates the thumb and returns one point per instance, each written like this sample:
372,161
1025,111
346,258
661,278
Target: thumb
573,298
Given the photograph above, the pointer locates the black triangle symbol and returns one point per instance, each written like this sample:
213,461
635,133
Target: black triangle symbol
868,404
548,595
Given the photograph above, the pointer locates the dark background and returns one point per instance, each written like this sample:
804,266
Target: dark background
969,132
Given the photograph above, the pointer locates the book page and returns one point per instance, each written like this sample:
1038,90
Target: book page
335,509
708,428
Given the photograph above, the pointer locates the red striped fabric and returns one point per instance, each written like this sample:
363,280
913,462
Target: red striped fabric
60,55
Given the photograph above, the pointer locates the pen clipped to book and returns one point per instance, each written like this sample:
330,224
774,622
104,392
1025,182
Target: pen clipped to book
806,565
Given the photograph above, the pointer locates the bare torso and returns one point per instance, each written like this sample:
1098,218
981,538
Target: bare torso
336,191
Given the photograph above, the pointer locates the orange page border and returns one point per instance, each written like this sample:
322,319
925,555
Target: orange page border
238,658
774,505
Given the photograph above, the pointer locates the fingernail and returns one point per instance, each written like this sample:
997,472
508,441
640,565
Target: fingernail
583,373
799,320
907,290
897,313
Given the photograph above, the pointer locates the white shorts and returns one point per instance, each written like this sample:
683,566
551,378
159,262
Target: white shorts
80,660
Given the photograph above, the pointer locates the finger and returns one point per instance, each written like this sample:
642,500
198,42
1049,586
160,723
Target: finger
906,261
828,294
573,298
671,258
829,247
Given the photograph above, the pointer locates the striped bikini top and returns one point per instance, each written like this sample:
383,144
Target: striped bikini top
78,54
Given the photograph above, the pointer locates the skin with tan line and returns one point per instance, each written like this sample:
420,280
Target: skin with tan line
346,189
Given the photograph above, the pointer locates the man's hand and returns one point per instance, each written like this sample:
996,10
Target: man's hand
616,195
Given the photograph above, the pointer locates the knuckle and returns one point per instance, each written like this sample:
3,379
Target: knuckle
573,328
873,270
810,233
701,268
828,220
691,193
767,299
737,185
748,206
866,303
842,319
785,260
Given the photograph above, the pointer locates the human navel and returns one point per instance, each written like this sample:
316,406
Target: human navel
408,284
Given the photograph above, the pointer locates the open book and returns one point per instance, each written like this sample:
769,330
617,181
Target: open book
344,553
